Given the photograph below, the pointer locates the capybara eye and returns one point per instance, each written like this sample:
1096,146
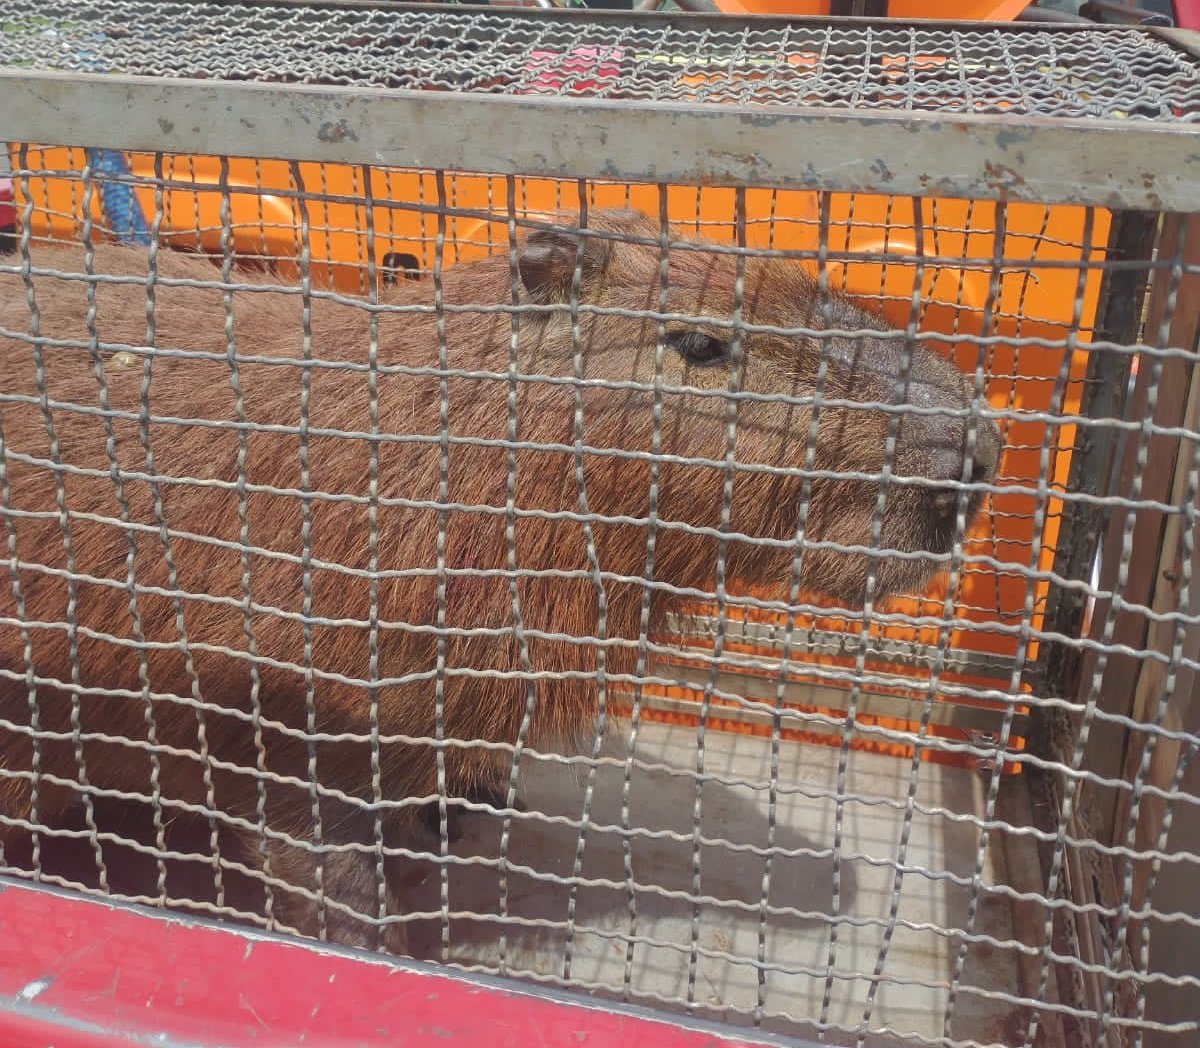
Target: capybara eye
698,348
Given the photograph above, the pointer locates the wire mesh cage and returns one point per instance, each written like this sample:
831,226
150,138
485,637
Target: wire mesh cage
474,488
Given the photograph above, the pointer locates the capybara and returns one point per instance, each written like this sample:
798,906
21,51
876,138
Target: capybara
267,573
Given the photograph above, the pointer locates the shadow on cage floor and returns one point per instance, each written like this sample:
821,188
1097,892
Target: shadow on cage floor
661,903
669,883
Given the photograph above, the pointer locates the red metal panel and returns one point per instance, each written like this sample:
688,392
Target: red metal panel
79,973
1187,14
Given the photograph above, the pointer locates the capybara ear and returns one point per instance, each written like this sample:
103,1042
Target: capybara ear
547,263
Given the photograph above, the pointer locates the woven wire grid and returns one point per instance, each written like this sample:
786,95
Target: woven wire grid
673,857
1106,73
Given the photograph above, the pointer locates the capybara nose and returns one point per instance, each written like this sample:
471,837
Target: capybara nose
946,500
952,439
957,451
971,465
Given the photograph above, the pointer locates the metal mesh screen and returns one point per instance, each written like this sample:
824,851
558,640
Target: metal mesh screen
765,605
608,608
1121,74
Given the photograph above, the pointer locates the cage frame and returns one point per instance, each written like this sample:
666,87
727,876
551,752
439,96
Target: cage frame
994,157
979,156
1114,751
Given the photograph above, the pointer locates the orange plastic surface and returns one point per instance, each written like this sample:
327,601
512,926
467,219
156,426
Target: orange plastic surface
921,10
1035,291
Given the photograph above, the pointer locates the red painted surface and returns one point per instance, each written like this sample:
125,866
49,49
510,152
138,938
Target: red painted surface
8,213
76,973
1187,14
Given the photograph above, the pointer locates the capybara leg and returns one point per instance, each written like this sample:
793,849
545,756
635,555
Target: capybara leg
496,796
27,800
329,891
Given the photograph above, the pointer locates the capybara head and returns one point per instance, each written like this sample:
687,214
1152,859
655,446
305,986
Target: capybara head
867,450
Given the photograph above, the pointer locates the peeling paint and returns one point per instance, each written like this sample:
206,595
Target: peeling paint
1002,178
1008,136
760,120
32,989
336,131
278,984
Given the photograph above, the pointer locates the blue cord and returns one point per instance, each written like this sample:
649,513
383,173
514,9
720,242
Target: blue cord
118,202
117,199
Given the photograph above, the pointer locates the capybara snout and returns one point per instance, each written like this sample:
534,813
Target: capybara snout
901,445
283,561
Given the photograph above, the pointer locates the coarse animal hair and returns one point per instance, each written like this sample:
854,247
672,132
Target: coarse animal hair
259,557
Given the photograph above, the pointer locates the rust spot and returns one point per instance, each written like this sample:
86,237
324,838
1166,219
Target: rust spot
741,159
336,131
1002,177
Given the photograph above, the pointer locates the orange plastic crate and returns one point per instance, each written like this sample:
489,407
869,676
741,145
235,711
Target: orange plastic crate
269,203
920,10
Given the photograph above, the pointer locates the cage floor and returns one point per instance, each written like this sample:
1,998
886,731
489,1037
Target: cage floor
868,898
882,919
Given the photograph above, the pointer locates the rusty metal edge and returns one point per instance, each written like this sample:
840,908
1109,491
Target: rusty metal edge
868,703
1134,164
806,642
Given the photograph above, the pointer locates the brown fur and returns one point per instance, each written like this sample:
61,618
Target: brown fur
215,664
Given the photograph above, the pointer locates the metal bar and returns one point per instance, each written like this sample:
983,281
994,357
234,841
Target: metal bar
834,643
1115,681
1103,462
1023,872
1158,693
960,156
1159,825
1105,392
802,693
